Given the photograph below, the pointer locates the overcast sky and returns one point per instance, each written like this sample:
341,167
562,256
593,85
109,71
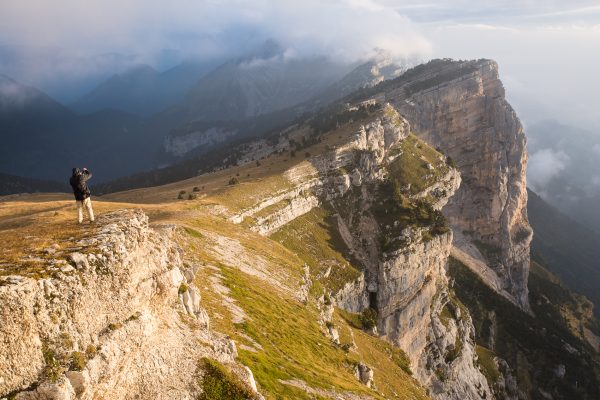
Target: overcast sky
548,51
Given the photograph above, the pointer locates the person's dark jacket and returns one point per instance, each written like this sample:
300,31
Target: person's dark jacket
78,183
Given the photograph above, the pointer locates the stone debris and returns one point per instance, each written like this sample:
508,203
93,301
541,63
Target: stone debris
119,315
364,374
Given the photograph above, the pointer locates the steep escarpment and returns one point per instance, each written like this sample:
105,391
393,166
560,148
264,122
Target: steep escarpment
334,254
378,195
114,317
460,108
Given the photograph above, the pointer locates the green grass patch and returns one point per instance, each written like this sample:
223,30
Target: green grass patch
411,166
193,233
219,383
293,346
353,319
488,366
315,239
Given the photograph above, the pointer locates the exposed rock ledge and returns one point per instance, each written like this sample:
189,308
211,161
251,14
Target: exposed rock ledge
116,323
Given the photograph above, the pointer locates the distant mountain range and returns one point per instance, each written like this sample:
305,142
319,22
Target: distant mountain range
251,95
126,123
10,184
42,139
142,90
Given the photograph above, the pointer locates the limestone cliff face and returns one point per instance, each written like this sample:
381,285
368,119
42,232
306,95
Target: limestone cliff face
118,322
408,281
403,278
330,175
460,107
446,365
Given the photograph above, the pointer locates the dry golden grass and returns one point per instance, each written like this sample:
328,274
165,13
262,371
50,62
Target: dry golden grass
290,343
33,222
30,224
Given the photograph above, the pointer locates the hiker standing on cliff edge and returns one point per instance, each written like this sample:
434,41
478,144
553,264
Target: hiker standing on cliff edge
82,192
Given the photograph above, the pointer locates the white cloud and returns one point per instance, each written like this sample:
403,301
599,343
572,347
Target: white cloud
543,166
12,94
547,48
71,40
343,28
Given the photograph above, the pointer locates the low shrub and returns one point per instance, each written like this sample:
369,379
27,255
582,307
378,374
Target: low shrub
220,384
368,318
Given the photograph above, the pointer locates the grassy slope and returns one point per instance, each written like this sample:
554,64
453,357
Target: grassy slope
314,238
280,338
410,167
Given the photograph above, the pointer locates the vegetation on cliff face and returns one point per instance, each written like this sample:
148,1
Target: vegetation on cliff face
314,238
416,165
535,347
395,212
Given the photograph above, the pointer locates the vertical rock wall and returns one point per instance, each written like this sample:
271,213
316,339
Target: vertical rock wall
469,119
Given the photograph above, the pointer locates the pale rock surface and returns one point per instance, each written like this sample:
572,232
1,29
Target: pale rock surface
469,118
449,369
122,302
364,374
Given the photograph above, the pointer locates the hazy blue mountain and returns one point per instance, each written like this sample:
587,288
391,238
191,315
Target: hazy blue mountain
250,95
10,184
266,80
42,139
143,90
366,74
569,249
19,104
262,91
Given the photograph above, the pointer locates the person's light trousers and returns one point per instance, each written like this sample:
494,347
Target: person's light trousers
87,203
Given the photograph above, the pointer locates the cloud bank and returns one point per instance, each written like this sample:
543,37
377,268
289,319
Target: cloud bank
547,49
82,37
543,166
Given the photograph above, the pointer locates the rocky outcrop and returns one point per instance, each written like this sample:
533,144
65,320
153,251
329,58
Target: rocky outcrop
407,284
120,321
448,367
460,107
330,175
180,144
